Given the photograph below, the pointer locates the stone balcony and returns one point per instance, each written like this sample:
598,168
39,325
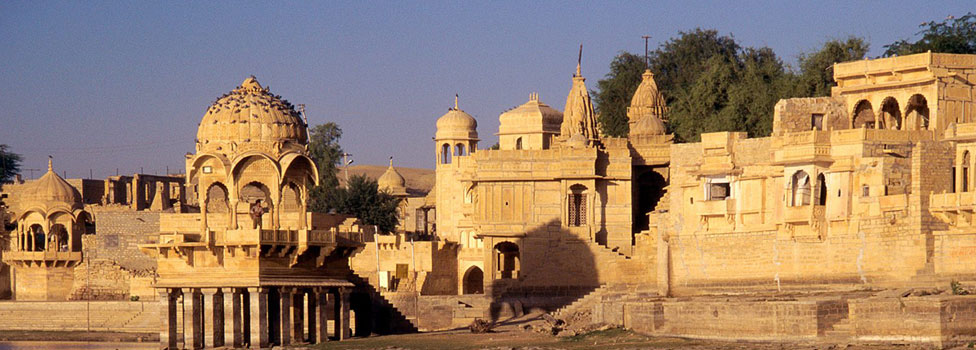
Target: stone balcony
43,258
955,209
803,214
715,207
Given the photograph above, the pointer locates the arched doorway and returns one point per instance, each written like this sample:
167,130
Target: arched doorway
254,193
474,281
507,260
217,198
821,190
649,188
863,115
890,114
917,113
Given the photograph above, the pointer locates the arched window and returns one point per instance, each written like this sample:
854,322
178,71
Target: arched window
576,207
518,143
799,189
507,260
821,190
964,175
863,116
446,154
35,238
890,114
917,113
86,223
459,149
217,198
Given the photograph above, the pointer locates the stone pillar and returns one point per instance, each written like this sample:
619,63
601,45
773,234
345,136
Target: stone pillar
210,328
322,310
233,212
310,315
192,319
259,316
167,329
342,319
233,332
285,330
298,314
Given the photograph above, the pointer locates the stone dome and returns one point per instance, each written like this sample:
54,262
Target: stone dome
456,124
51,191
392,181
648,126
250,117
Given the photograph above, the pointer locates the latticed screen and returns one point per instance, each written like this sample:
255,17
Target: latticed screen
577,209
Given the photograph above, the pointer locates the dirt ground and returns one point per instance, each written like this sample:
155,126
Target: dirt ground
512,336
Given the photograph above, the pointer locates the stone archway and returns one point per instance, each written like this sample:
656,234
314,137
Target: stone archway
474,281
863,115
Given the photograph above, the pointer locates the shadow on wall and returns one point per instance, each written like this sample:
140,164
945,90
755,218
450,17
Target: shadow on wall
547,269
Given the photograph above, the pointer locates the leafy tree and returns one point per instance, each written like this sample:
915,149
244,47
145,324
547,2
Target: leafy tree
615,92
679,61
324,148
952,35
9,164
816,75
363,199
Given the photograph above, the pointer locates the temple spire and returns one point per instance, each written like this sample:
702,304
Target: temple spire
455,103
391,161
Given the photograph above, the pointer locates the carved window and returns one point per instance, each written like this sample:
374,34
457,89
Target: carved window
518,143
577,206
446,154
799,189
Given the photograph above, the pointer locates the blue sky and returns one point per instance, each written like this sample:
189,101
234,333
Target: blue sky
122,85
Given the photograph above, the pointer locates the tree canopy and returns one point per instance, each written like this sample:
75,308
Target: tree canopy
952,35
362,198
324,148
9,164
711,83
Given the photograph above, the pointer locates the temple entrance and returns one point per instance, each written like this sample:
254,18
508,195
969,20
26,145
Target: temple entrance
649,187
474,281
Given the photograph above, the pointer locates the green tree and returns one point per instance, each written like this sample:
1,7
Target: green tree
9,164
952,35
363,199
679,61
816,75
324,148
615,91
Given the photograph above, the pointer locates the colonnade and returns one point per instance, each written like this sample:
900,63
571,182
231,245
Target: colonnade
254,317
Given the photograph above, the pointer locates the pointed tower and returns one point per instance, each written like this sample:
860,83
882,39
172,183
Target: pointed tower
579,121
392,182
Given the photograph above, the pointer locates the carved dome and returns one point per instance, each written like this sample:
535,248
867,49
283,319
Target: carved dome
251,118
392,181
456,125
530,117
51,191
647,100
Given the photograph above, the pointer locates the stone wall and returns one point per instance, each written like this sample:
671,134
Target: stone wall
118,234
944,321
796,114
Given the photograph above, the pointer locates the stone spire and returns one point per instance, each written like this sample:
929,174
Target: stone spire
647,108
578,117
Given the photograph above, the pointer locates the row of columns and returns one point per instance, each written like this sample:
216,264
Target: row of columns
240,317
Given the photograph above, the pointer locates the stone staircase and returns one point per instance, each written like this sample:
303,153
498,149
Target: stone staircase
840,332
399,321
586,301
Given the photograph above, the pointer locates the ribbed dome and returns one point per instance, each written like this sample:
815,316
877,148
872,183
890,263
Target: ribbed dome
648,126
456,124
250,117
392,181
578,117
51,190
647,99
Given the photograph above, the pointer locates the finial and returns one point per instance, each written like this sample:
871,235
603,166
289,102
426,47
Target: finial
455,102
391,161
50,163
647,60
579,62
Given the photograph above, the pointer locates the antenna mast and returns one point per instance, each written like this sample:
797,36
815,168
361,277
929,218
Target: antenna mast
647,60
